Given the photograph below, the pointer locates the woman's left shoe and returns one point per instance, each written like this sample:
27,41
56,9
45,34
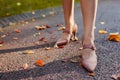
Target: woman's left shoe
89,59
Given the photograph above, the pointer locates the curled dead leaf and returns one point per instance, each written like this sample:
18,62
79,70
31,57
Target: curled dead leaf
91,74
40,63
114,37
102,31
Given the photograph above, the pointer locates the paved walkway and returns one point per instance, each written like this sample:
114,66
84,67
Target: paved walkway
12,57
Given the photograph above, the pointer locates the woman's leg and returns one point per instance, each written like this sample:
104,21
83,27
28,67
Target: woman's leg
68,7
89,9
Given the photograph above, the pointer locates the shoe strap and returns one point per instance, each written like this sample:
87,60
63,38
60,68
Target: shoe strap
89,47
67,31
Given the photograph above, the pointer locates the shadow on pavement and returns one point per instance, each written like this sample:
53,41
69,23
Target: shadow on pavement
27,48
51,69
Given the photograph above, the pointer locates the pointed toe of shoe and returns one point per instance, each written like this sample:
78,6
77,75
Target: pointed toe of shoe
89,59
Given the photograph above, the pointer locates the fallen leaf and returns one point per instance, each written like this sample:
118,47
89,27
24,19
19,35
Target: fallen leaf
47,26
102,23
1,42
102,32
40,63
116,76
59,25
15,38
29,52
37,43
61,28
47,48
42,27
3,36
43,39
43,15
1,45
33,12
114,37
25,66
37,34
17,30
91,74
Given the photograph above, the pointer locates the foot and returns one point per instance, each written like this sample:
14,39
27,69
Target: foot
66,36
89,58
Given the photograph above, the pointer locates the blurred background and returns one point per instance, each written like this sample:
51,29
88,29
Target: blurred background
13,7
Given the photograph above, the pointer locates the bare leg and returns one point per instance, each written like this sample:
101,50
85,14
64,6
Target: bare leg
89,58
68,7
89,8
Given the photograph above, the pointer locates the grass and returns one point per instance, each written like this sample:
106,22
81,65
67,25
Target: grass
12,7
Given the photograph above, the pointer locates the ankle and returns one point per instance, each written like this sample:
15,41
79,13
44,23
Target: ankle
90,45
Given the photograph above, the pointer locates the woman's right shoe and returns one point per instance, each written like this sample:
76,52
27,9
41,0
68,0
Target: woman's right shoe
89,59
66,36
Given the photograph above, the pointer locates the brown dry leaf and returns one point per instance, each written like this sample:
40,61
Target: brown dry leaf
40,63
91,74
2,41
114,37
29,52
116,76
17,31
25,66
61,28
47,48
43,39
102,32
47,26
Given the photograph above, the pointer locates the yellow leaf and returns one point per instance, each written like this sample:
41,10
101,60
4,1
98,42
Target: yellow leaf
114,37
102,32
29,52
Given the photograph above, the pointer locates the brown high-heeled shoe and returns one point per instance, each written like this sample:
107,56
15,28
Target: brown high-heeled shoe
67,36
89,58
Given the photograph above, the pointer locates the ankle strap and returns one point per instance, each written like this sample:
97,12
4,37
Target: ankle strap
89,47
67,31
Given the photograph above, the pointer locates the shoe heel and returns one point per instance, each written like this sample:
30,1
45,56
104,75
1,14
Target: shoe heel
74,37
